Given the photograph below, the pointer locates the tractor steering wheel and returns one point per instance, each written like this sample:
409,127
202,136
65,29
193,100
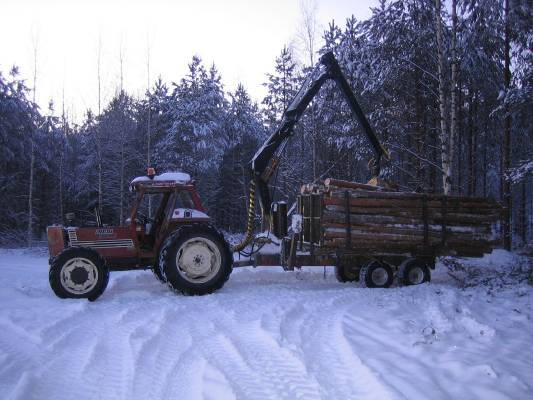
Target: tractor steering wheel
142,219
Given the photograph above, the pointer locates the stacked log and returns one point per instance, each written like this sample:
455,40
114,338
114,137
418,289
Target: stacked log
378,220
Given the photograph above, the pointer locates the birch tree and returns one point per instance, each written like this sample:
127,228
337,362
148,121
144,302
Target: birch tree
445,141
506,148
453,96
307,35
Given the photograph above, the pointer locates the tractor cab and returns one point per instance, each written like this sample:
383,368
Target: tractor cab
163,202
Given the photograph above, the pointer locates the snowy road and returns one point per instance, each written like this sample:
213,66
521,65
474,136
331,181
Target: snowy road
266,335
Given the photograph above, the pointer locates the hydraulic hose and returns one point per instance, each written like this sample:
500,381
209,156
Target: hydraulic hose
250,224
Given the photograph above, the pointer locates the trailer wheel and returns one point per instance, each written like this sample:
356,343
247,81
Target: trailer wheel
344,274
78,273
196,260
413,272
376,274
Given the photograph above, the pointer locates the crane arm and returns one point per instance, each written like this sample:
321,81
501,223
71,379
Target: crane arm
267,157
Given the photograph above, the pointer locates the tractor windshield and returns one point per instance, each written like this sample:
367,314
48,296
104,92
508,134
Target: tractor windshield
150,204
184,200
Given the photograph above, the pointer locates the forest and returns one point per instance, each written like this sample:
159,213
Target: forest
448,90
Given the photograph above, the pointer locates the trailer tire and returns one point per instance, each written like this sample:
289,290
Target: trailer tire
196,260
344,274
376,274
413,272
78,273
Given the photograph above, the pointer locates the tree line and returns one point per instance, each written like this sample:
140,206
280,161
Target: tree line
448,91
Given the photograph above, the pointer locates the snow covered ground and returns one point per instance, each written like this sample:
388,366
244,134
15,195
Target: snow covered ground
268,334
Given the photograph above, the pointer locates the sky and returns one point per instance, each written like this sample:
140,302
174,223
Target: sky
242,38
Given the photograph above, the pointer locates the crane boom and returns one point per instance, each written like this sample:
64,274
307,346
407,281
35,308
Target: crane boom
266,160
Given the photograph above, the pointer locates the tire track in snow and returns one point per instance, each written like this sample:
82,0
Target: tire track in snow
82,350
172,343
146,341
16,353
56,370
112,356
246,383
218,351
274,363
340,371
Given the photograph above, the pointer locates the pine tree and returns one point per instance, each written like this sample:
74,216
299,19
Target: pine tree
245,133
282,87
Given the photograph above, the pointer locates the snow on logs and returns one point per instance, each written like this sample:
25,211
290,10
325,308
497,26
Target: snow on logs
377,220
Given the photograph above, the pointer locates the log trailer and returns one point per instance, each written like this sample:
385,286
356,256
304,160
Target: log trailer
368,233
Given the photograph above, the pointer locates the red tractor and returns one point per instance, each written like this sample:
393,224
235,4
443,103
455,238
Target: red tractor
177,242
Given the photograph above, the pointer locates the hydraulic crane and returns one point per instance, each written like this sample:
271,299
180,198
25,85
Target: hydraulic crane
266,160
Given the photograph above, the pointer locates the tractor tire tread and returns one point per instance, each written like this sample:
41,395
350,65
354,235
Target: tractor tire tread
192,229
55,269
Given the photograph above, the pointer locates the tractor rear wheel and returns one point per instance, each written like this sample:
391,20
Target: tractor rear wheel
157,272
78,273
196,260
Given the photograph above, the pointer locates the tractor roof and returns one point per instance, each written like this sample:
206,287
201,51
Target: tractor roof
166,179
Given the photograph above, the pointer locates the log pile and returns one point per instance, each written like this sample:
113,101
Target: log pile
376,220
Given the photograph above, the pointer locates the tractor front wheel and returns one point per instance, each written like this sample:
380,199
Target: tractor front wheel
196,260
78,273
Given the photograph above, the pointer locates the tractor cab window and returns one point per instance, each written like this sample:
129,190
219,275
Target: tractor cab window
150,204
184,200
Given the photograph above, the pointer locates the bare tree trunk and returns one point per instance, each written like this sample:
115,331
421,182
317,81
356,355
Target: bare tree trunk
149,120
459,169
62,155
453,89
307,33
30,196
506,149
485,162
472,145
98,141
444,137
433,171
61,210
32,151
122,138
418,137
121,212
523,213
